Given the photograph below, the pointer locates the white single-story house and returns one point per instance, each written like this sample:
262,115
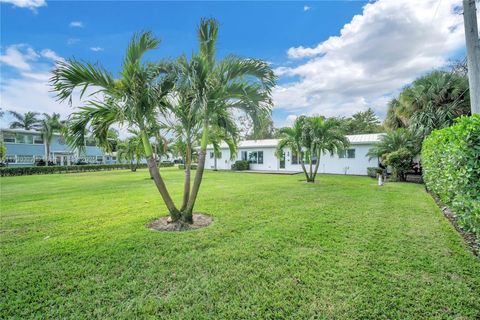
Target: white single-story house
261,155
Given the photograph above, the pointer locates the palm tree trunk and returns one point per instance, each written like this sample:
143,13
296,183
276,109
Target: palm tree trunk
310,170
316,166
187,214
215,162
47,152
157,178
186,186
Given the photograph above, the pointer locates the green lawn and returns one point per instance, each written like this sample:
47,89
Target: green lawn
76,246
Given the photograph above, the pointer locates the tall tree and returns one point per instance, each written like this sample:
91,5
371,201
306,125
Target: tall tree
363,122
219,88
26,121
431,102
49,125
141,94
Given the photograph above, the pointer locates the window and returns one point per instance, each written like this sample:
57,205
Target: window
27,138
37,140
220,155
255,157
244,156
349,153
9,137
99,158
212,154
114,158
10,159
24,159
294,158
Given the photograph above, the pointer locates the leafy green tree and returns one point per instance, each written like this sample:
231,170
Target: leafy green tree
431,102
363,122
49,126
400,161
26,121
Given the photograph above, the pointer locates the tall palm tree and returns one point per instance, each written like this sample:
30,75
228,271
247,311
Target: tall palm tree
221,87
49,125
292,138
322,135
27,121
134,99
141,94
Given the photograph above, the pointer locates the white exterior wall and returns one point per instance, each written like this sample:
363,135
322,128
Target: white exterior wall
328,163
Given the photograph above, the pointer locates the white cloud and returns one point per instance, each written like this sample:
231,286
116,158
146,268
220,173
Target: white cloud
76,24
19,56
96,49
29,4
306,8
26,86
376,54
52,55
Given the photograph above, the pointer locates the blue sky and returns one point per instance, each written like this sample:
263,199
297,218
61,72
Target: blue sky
332,57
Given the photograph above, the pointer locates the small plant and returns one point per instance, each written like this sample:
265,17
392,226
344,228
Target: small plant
401,162
241,165
373,172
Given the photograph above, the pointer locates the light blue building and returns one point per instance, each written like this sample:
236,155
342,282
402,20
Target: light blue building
24,147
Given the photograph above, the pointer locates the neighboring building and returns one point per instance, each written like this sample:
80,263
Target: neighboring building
24,147
261,155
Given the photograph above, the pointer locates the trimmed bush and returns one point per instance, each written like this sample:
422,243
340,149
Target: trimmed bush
192,167
400,161
451,169
241,165
22,171
373,172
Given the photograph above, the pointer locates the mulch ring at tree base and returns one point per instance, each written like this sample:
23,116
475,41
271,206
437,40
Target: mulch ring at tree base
200,220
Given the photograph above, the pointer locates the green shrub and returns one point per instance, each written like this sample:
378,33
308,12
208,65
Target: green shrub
451,169
400,161
22,171
374,171
192,167
241,165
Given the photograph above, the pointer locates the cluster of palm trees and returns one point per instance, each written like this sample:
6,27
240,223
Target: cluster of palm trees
309,138
431,102
48,125
193,98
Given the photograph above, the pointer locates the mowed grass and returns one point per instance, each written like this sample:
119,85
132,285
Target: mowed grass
76,246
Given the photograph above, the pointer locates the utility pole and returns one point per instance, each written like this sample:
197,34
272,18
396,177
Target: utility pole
473,53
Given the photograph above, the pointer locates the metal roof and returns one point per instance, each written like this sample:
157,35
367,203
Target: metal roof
354,139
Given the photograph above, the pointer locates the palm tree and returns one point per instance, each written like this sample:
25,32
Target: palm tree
393,141
142,93
221,87
292,138
322,135
49,125
131,151
26,121
134,99
431,102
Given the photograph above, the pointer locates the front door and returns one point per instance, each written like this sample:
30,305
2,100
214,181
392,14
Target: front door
282,161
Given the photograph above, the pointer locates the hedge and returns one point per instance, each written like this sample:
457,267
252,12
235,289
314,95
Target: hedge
451,169
22,171
192,167
241,165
